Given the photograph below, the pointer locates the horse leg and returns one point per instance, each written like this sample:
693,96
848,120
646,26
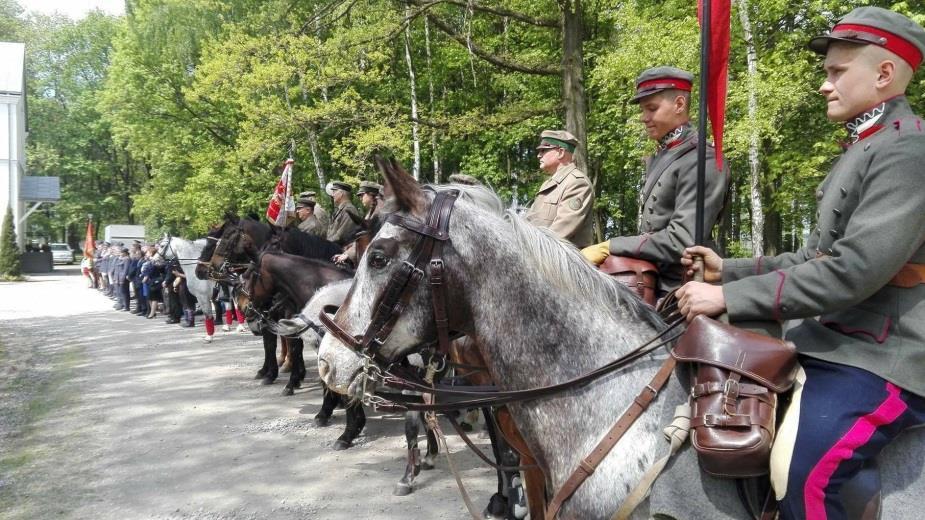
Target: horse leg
284,353
498,503
270,370
356,420
430,459
331,400
297,371
534,482
413,467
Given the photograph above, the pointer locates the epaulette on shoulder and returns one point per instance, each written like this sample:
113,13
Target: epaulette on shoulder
909,124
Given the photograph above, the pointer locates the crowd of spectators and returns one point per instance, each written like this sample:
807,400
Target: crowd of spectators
141,282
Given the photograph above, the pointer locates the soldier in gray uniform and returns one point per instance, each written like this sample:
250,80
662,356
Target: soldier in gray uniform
564,202
345,222
859,281
669,195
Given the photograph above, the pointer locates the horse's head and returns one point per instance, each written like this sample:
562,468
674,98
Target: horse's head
163,247
204,269
390,311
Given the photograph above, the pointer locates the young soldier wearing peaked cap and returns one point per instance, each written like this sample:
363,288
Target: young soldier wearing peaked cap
860,279
669,194
564,202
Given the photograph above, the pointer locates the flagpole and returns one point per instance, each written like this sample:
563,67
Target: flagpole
702,142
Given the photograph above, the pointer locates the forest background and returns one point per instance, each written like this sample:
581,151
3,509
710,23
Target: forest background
182,109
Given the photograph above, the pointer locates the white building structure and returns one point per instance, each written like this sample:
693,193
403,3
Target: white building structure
16,190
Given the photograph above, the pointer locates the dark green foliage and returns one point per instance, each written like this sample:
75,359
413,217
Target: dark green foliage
10,266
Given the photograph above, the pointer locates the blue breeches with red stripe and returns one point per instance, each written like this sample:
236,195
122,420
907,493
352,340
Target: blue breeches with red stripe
846,417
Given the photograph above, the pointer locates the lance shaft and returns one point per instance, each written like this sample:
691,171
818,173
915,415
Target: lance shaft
702,142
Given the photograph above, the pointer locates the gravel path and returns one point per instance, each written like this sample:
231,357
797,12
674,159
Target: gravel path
107,415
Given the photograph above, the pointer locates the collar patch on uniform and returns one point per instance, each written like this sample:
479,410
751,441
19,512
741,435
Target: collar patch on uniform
866,123
672,138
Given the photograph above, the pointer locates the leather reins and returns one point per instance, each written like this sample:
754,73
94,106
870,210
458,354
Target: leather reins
395,299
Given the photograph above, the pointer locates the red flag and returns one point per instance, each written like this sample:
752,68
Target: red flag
89,245
719,69
281,203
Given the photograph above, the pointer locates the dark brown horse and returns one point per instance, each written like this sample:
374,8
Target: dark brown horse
279,285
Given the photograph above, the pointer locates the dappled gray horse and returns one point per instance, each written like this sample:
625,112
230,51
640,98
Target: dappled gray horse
541,315
187,253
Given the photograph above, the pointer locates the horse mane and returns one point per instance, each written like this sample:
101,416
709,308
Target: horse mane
560,264
297,242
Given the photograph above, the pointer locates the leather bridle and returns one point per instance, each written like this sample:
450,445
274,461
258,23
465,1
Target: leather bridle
427,253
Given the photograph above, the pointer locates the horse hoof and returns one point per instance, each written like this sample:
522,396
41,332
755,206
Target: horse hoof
402,489
267,380
426,466
260,374
288,391
341,445
322,420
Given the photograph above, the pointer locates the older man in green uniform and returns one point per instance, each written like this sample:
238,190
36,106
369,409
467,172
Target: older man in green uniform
370,193
319,212
563,203
859,281
669,194
345,221
308,220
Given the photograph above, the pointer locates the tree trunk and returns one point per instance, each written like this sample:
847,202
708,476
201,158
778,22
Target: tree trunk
573,90
754,161
316,158
430,85
416,169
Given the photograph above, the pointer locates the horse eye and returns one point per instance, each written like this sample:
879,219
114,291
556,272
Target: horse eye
377,260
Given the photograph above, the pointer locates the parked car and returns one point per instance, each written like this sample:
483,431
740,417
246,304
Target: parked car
62,254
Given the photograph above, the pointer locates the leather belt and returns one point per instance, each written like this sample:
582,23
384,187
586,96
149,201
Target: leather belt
909,276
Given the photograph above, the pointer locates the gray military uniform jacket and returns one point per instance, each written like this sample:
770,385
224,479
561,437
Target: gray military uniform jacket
563,204
871,222
669,208
344,224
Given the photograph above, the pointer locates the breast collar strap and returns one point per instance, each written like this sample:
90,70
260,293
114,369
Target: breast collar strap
427,253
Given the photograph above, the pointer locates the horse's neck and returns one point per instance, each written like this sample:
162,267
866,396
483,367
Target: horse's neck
296,279
534,336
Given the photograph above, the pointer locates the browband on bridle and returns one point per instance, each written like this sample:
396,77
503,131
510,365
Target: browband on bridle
427,252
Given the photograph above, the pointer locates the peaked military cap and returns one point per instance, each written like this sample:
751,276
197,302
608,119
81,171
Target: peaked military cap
307,195
369,187
557,139
339,185
658,79
305,202
877,26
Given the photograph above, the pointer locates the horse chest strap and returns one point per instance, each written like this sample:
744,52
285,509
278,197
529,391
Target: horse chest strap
589,465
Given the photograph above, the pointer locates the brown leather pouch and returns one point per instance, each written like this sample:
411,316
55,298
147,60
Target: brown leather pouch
736,379
639,275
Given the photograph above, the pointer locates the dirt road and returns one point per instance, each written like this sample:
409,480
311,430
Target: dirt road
107,415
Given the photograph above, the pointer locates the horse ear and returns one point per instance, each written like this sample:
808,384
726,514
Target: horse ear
402,186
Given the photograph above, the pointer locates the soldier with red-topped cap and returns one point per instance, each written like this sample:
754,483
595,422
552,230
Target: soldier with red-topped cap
859,281
669,195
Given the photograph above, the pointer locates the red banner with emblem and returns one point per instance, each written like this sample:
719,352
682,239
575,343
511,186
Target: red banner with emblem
718,68
89,244
281,202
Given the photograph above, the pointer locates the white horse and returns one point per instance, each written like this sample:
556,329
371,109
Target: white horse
187,253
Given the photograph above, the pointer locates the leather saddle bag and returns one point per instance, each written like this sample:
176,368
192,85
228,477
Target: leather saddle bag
639,275
736,377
